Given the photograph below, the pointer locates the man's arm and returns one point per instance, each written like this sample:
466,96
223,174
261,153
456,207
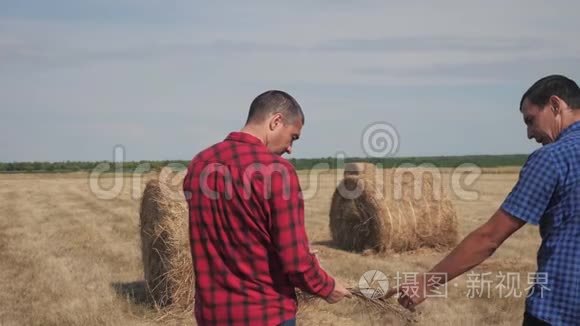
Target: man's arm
479,244
290,239
526,203
471,251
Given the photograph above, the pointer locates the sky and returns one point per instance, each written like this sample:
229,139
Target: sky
165,79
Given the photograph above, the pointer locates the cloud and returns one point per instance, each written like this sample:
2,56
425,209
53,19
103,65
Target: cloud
506,71
435,44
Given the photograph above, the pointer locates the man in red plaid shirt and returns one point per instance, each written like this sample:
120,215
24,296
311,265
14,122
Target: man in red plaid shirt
246,216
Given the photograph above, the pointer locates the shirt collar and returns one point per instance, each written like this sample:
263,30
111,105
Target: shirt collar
244,138
570,129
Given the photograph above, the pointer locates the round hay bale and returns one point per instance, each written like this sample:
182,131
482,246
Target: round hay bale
405,213
165,245
359,168
356,215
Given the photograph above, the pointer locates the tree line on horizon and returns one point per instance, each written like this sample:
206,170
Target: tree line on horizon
484,161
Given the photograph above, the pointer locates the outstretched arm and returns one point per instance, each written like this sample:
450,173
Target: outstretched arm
472,251
526,203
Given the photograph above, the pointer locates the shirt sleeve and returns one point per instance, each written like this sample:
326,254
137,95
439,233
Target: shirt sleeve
289,234
537,183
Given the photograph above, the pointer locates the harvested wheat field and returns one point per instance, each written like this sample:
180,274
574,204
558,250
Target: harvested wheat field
70,258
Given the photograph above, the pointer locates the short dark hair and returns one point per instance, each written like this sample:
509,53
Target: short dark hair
272,102
561,86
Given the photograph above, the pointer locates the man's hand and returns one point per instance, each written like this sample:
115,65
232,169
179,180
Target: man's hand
410,294
338,293
314,252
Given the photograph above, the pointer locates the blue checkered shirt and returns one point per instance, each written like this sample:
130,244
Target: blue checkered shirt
548,193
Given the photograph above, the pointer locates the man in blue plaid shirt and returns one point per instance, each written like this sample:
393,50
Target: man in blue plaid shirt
548,194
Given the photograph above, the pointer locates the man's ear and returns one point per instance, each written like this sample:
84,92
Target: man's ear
556,104
275,121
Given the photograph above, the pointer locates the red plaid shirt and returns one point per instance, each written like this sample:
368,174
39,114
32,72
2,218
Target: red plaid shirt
248,241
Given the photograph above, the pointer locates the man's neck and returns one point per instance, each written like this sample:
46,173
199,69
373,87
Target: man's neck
254,131
573,118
